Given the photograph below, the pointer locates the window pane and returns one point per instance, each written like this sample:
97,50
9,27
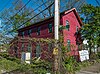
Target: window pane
68,44
38,51
29,32
50,47
22,48
29,48
22,34
38,31
67,25
50,28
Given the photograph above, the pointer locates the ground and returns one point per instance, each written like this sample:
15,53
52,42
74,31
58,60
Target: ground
94,69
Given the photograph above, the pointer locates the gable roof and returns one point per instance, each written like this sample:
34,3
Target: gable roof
76,14
52,18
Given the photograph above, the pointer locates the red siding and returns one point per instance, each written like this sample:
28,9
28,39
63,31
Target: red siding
44,30
73,22
73,19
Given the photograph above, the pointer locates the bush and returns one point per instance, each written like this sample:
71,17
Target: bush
12,64
93,56
8,65
24,67
71,65
41,66
4,55
98,54
36,67
14,59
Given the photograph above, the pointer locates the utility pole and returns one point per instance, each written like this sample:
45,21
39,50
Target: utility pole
56,35
56,19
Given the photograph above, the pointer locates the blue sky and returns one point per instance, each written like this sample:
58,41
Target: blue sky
7,3
93,2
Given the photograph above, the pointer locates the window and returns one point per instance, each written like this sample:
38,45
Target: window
68,44
50,28
76,28
15,50
67,25
22,34
22,48
50,47
38,51
38,30
29,32
29,48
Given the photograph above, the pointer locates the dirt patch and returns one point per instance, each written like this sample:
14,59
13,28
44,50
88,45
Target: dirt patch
94,68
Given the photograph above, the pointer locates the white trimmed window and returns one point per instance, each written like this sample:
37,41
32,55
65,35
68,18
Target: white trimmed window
67,25
68,44
38,50
50,28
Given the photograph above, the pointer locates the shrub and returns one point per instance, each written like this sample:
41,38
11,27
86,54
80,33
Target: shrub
41,66
98,54
8,65
4,55
14,59
70,64
36,67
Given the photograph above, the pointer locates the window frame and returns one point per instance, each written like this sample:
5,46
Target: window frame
29,47
67,25
38,51
50,28
22,33
49,47
22,46
29,32
68,44
38,30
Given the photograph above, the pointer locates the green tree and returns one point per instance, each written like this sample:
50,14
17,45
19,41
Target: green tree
91,28
12,19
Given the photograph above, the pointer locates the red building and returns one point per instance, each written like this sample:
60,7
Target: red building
45,29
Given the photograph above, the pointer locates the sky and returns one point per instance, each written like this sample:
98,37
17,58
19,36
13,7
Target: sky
93,2
7,3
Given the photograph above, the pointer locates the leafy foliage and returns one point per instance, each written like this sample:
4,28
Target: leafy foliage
91,28
8,65
36,66
69,62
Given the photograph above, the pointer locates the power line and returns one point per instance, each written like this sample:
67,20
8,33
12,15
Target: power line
5,5
9,8
18,11
37,8
32,11
21,8
97,2
8,3
38,13
16,2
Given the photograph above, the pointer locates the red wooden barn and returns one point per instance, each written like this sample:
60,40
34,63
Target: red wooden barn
45,29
